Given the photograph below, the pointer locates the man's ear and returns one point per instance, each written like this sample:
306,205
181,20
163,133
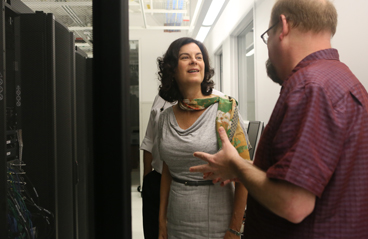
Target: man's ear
285,27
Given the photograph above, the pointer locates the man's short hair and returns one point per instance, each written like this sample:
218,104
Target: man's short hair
307,15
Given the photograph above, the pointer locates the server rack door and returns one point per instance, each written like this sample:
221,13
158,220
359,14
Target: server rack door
37,65
3,185
89,155
64,94
82,146
15,172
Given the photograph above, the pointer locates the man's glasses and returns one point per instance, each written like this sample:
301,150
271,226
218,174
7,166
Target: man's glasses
264,36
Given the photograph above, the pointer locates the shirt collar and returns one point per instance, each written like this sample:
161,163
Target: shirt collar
327,54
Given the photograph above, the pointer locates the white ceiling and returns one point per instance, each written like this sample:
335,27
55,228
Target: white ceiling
159,15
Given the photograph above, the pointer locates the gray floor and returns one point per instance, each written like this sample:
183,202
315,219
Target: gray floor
137,226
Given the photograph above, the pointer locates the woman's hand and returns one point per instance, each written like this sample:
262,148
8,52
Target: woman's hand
162,231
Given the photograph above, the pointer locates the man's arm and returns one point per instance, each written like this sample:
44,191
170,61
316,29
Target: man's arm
147,162
282,198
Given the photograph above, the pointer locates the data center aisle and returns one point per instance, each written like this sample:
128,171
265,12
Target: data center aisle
137,225
137,222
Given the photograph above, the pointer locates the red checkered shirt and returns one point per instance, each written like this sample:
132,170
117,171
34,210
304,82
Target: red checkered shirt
317,138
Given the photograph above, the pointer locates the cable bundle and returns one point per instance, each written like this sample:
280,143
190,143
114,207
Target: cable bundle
21,222
19,218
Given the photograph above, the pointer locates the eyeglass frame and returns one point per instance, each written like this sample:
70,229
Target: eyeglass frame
262,36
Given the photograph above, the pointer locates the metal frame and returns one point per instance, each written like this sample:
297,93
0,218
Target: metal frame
111,134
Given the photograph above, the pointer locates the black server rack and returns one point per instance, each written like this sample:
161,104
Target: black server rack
90,147
19,217
48,78
14,173
84,148
42,65
38,79
39,93
65,128
3,138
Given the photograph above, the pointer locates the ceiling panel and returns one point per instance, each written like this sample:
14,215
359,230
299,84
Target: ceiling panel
163,15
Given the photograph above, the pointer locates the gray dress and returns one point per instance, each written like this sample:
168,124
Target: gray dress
196,212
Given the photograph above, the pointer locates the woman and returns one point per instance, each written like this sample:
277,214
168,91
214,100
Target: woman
189,206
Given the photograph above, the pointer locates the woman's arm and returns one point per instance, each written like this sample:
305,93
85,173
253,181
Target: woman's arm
164,198
240,202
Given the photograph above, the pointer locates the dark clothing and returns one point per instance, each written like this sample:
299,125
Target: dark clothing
151,204
317,138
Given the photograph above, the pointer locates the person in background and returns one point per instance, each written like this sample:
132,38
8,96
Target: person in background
152,172
191,207
153,169
309,177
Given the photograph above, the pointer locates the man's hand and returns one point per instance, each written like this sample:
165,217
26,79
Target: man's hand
221,166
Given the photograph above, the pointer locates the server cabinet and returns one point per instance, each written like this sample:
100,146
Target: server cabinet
47,68
37,66
84,147
3,185
90,148
65,128
15,171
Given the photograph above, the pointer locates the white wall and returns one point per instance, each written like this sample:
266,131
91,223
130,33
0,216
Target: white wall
350,40
230,69
220,36
351,36
152,44
267,91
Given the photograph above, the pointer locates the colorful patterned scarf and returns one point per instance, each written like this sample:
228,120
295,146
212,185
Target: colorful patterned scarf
227,117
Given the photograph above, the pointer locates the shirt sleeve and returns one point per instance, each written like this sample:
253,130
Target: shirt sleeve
309,140
147,143
151,131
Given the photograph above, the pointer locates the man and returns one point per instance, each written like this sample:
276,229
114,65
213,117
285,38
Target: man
151,160
309,177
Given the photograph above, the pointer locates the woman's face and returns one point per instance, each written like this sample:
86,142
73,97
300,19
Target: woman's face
191,65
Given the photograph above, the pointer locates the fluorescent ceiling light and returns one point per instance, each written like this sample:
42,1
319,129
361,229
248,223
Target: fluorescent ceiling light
250,53
213,11
196,12
202,33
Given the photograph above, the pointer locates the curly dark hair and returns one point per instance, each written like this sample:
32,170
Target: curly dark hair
167,64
